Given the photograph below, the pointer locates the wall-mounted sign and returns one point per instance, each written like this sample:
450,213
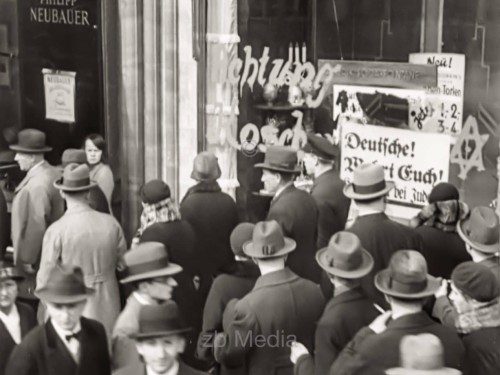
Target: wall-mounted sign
59,95
442,111
64,12
403,153
385,74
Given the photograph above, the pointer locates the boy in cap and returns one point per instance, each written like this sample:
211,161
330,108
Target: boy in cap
35,206
16,318
406,285
67,343
159,341
345,262
281,308
380,235
149,270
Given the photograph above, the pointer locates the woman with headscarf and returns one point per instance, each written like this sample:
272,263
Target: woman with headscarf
436,223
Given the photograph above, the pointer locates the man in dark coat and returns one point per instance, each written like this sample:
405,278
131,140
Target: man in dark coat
67,343
406,285
16,318
159,341
293,209
345,261
281,308
378,234
213,216
235,282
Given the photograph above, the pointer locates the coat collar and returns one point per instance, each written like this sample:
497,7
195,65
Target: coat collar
25,326
39,170
203,187
324,176
373,217
289,189
346,297
283,276
420,319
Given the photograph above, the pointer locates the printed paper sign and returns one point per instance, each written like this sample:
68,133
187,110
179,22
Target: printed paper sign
405,155
443,108
59,95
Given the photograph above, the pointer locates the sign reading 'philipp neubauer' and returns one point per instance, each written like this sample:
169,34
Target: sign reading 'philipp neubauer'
59,12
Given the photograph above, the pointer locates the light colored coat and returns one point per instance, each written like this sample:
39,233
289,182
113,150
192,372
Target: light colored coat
93,241
36,205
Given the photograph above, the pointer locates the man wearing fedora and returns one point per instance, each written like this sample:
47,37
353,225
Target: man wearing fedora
92,240
16,318
149,271
281,308
294,209
67,343
406,285
379,235
213,215
345,262
35,206
160,339
235,282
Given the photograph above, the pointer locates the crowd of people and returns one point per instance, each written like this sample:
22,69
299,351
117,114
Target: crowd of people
302,292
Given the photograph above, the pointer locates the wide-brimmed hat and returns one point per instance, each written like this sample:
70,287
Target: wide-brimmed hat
73,155
154,191
9,272
421,354
268,241
476,281
345,257
406,277
481,230
31,141
205,167
241,234
147,261
76,177
64,285
368,182
160,321
321,147
280,159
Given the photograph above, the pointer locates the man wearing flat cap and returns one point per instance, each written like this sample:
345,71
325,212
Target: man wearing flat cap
160,339
294,209
35,206
406,285
150,272
67,343
89,239
345,262
379,235
16,318
281,308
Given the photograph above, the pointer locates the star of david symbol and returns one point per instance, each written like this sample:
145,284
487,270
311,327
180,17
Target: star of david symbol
467,151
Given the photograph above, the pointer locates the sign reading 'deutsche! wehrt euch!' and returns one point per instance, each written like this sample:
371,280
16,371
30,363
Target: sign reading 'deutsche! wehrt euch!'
405,156
59,12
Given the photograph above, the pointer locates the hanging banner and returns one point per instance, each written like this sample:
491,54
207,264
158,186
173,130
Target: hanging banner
403,153
59,95
442,111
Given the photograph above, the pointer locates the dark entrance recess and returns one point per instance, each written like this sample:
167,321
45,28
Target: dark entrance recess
61,35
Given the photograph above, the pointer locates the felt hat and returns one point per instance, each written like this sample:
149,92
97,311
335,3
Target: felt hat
241,234
344,257
368,182
205,167
406,277
444,191
31,141
7,160
268,241
147,261
64,285
481,230
9,272
73,155
159,321
321,147
280,159
154,191
76,177
476,281
421,354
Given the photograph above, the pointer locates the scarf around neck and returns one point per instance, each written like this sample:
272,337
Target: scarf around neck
164,211
442,215
476,315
